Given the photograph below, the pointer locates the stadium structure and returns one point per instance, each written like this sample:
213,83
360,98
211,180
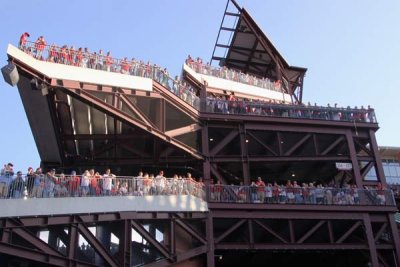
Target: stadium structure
228,125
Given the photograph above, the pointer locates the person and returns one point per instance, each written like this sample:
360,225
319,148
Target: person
38,184
49,183
6,176
107,182
40,44
159,181
107,62
85,182
22,41
17,186
74,184
124,66
380,197
260,189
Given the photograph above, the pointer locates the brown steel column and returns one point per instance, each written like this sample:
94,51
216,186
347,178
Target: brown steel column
244,154
206,153
160,115
396,237
354,160
210,240
378,162
371,241
126,241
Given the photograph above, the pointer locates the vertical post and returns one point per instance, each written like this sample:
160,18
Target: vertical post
210,240
73,241
126,243
160,115
206,153
103,234
371,240
377,158
244,155
396,238
172,237
354,161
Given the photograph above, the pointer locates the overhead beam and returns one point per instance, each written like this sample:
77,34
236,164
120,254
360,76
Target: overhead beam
184,130
229,137
230,230
333,145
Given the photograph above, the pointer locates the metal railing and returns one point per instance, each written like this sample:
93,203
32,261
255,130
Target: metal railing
99,61
216,105
233,75
305,196
48,186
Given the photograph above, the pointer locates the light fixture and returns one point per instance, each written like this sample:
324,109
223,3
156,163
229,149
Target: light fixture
211,139
293,175
247,140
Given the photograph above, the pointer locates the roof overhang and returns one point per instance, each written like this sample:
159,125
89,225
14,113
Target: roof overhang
250,51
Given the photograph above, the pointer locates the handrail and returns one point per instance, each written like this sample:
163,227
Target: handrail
218,105
219,193
85,59
60,185
99,61
233,75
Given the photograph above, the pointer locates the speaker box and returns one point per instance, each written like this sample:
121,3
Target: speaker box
10,74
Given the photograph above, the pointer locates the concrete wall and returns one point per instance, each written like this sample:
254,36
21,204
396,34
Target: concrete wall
75,205
73,73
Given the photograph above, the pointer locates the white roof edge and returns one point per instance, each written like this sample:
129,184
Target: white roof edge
233,86
73,73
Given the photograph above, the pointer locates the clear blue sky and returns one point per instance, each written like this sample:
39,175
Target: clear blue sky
350,47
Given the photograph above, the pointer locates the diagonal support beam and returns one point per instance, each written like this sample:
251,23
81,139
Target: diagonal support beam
348,232
381,230
137,111
130,148
366,150
262,143
184,130
272,232
311,231
366,169
146,235
191,253
332,146
224,142
116,113
298,144
38,256
190,231
215,172
97,245
35,241
230,230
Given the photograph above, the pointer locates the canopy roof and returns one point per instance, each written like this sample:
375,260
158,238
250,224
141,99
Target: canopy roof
250,51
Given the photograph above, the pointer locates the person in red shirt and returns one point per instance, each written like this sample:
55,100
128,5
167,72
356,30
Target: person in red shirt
74,184
260,189
40,45
124,66
108,61
22,41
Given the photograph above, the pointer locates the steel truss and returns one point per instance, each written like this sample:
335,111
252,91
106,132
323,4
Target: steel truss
182,239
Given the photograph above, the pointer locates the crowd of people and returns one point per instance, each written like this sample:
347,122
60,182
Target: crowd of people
230,104
227,104
37,184
293,192
83,57
233,75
